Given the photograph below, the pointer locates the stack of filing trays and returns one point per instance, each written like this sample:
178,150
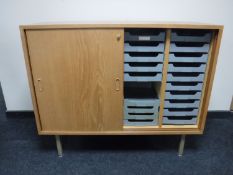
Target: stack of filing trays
187,63
143,65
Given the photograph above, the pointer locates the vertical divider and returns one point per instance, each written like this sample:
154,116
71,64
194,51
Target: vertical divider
164,74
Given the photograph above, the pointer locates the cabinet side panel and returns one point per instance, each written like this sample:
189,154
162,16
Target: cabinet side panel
209,79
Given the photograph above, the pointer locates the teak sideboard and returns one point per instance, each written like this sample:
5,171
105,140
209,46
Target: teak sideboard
121,78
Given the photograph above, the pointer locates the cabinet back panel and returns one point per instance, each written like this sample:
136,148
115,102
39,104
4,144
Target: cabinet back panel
75,72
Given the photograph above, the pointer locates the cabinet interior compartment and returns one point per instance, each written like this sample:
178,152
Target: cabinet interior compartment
141,103
186,69
143,65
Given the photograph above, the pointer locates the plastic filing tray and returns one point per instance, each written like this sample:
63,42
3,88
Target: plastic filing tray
130,37
172,68
155,68
141,112
157,48
147,106
180,38
173,78
170,87
158,58
202,59
179,121
140,123
169,104
197,96
132,78
168,112
203,49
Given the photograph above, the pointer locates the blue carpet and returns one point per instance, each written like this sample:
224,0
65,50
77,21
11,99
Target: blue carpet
22,151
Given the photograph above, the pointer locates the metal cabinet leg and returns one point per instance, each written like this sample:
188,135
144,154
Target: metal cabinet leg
181,146
59,145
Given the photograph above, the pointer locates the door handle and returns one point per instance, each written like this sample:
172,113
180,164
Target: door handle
118,37
40,85
117,81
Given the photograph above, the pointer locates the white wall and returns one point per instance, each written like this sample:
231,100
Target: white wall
14,12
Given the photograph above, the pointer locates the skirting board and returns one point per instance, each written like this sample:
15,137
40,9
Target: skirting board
211,114
19,114
231,107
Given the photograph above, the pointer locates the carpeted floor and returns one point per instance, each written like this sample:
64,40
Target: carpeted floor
22,151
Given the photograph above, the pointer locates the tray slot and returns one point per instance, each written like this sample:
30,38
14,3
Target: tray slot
180,86
144,35
185,77
143,67
181,103
144,47
188,57
189,47
137,122
186,67
182,95
190,36
143,77
179,112
144,57
191,120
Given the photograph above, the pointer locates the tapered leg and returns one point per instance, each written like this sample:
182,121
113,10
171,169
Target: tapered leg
59,145
181,146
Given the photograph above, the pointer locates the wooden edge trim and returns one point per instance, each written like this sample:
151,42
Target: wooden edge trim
30,78
122,25
164,132
210,78
164,74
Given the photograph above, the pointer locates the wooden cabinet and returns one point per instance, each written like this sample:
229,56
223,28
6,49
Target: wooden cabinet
77,75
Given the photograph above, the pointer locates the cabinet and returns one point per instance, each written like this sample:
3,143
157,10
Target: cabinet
120,79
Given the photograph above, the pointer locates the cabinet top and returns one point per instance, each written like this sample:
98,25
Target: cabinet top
122,24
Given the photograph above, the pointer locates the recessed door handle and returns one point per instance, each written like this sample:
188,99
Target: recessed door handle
118,37
40,85
117,81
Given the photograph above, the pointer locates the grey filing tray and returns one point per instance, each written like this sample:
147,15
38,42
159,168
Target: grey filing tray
179,121
142,78
138,67
156,59
169,95
181,104
181,86
192,59
173,78
144,36
175,37
133,122
173,68
159,47
141,108
169,112
202,49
